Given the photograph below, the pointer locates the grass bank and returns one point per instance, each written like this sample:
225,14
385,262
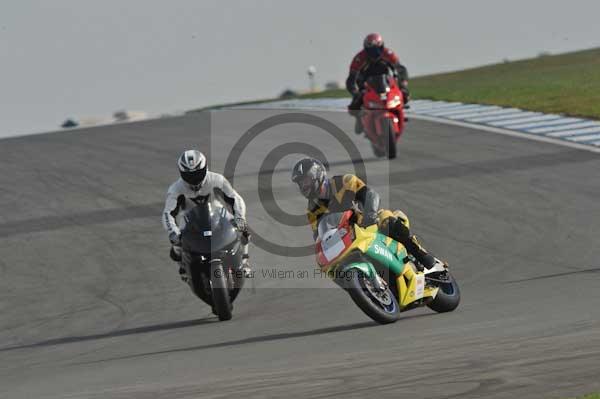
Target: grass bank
565,84
590,396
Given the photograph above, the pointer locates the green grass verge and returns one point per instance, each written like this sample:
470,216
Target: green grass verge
566,83
590,396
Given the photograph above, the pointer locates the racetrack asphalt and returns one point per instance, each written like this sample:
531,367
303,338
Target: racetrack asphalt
92,307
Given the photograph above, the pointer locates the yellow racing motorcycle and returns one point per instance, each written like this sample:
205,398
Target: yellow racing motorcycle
377,272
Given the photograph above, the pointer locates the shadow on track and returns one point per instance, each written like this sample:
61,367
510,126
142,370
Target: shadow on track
547,276
112,334
264,338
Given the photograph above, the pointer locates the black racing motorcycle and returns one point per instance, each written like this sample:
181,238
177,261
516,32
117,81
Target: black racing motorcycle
212,256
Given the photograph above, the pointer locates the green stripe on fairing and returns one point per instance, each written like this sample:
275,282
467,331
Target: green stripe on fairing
395,264
393,247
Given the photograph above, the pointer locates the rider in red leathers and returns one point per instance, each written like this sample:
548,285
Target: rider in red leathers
374,59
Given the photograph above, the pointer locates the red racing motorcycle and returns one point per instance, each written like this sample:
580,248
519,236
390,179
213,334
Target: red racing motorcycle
382,114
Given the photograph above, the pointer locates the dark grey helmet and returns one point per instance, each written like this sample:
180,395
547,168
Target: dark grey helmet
310,175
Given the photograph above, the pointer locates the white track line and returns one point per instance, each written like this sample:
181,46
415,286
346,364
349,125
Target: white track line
539,119
516,119
455,111
507,132
497,113
574,132
558,122
563,127
589,137
515,113
475,114
440,108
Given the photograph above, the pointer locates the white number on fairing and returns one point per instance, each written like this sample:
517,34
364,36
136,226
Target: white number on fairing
332,244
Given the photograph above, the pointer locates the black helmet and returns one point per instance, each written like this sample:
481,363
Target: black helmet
309,174
192,168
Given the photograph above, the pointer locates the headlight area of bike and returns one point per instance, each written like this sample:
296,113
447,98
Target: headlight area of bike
385,103
229,255
335,235
394,102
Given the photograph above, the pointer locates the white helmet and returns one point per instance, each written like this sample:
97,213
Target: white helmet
192,168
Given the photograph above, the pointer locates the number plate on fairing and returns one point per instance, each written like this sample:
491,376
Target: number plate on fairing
419,285
332,245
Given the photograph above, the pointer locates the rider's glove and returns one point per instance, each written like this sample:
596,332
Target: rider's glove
175,239
369,219
241,224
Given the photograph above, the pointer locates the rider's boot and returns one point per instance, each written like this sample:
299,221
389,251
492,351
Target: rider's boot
427,260
354,109
246,262
358,126
399,231
175,255
246,266
424,258
183,274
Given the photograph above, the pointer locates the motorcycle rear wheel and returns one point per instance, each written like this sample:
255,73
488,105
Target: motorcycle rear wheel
220,291
448,296
376,309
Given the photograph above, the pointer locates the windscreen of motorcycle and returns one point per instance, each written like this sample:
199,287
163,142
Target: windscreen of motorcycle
329,222
330,236
208,229
379,83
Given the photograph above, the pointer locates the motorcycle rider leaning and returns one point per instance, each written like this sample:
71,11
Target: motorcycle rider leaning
374,59
340,193
195,184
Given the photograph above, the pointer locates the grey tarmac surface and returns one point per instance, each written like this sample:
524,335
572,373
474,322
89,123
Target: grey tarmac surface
91,306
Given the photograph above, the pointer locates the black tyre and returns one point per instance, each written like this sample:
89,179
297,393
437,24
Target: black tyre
448,296
390,139
380,306
220,291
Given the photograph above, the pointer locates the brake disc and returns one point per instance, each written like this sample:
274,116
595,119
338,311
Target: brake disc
383,296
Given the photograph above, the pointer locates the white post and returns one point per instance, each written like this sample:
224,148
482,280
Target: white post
311,78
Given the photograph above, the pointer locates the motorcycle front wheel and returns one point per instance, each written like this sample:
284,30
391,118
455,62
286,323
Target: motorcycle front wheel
390,138
379,305
220,291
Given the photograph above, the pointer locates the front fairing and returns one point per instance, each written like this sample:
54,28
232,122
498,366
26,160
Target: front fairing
382,96
208,231
374,246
